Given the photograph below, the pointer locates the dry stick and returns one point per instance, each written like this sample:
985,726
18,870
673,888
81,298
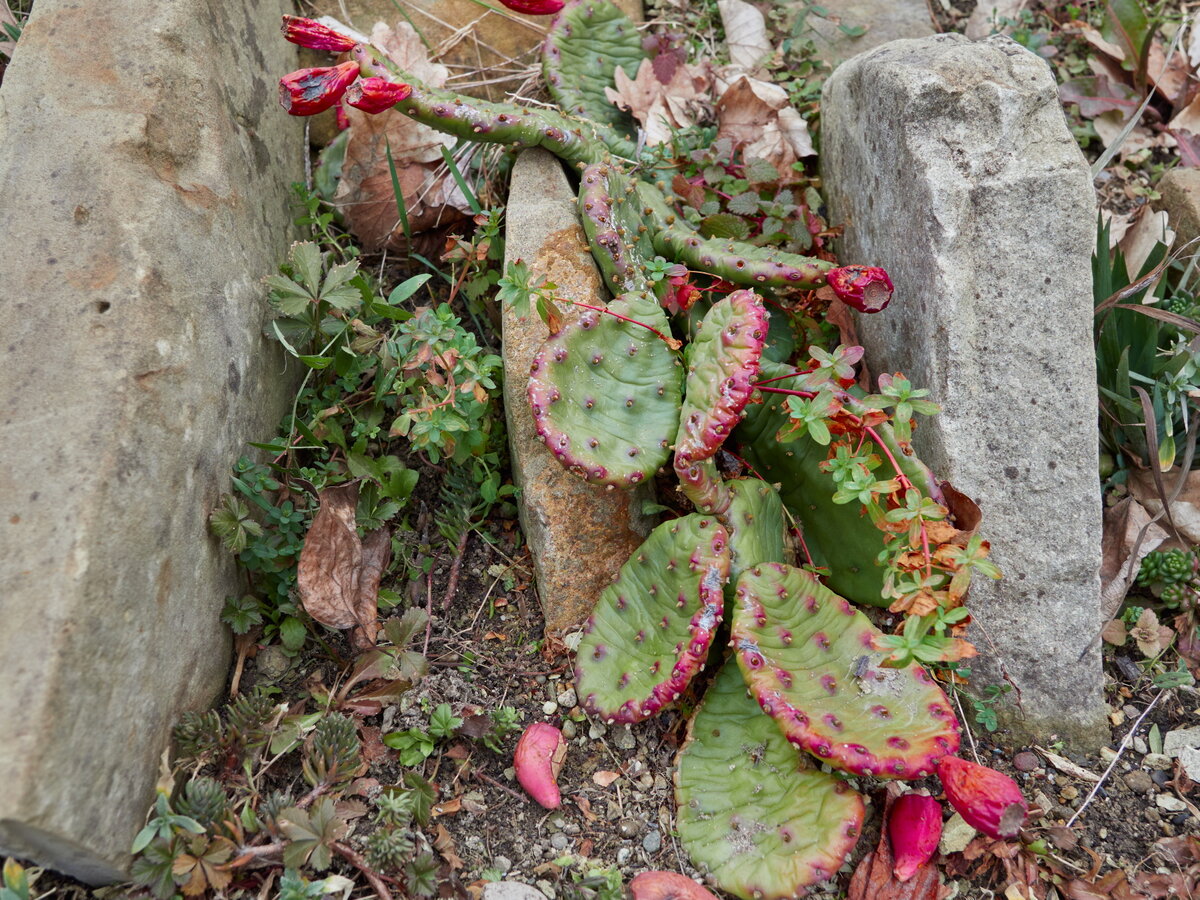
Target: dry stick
359,863
1124,743
483,776
455,568
963,718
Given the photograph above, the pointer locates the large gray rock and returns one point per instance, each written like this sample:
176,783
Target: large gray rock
950,164
144,166
579,535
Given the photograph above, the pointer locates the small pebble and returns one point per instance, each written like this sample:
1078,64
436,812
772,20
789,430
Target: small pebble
623,856
571,828
1151,814
660,783
1159,777
1026,761
549,707
597,730
558,823
1070,792
629,827
1140,745
1131,711
646,780
559,841
568,729
1139,782
502,864
652,842
1108,754
624,739
567,698
1180,819
546,888
1157,761
1170,803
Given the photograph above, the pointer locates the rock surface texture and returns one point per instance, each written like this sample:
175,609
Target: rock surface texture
145,187
951,165
1180,190
579,534
890,21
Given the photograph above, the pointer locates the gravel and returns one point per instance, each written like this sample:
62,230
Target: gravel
652,842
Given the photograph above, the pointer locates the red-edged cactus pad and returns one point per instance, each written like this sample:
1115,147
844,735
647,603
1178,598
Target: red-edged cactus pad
651,629
754,520
605,393
811,662
702,483
723,362
611,227
751,810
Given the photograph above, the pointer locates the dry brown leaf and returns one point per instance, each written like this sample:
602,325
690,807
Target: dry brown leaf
1188,118
604,777
659,108
443,843
756,116
1147,230
1169,77
873,879
330,566
365,195
376,553
1067,767
745,33
1121,553
1151,638
1092,35
1185,509
449,808
1114,632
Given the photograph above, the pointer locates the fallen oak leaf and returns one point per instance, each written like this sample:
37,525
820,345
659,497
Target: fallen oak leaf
376,553
327,576
660,108
757,116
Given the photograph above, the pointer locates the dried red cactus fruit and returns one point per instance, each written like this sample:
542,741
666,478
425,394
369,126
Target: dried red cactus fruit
667,886
537,760
315,36
865,288
375,95
534,7
309,91
988,800
914,829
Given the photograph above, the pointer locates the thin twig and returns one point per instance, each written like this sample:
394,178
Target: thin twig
455,568
483,776
1121,749
963,718
359,863
428,610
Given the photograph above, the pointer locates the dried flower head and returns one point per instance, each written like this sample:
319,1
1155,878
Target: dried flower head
310,91
315,36
865,288
374,95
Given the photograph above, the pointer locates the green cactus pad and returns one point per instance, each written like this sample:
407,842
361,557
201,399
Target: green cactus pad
811,662
734,261
751,810
605,393
652,627
839,536
702,484
723,361
606,220
584,46
754,520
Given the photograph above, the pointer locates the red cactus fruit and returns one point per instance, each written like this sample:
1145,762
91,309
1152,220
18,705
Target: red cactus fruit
865,288
310,91
312,34
374,95
914,828
539,756
988,800
667,886
534,7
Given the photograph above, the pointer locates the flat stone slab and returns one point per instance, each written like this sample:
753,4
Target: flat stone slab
146,194
579,534
950,164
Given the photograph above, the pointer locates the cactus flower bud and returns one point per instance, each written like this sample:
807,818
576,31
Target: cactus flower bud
310,91
315,36
539,756
865,288
914,828
374,95
988,800
534,7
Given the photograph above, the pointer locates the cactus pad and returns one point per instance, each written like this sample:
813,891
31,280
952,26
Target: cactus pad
651,629
584,46
811,662
723,362
752,810
701,482
734,261
754,520
605,393
611,226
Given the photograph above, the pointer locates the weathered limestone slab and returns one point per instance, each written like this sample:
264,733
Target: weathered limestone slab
144,166
951,165
579,534
888,21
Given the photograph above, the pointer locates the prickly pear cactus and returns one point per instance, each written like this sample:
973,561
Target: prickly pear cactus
612,227
585,45
811,663
651,630
754,520
734,261
753,811
605,393
840,537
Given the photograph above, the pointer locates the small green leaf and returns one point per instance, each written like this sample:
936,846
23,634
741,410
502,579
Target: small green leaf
293,633
306,260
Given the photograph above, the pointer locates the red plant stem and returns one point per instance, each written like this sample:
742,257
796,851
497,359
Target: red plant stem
669,341
359,863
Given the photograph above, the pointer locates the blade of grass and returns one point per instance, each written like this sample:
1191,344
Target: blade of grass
400,9
461,182
399,194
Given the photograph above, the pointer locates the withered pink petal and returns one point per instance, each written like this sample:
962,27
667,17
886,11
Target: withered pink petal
539,756
914,829
988,800
312,34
